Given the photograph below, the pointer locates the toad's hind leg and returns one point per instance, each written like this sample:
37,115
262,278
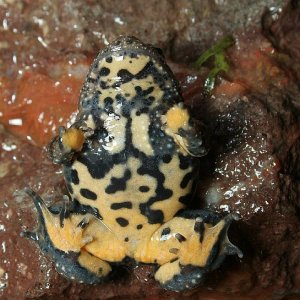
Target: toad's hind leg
190,245
65,237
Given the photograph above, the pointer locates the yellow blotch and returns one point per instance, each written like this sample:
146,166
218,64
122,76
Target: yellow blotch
93,264
73,139
176,118
140,137
116,128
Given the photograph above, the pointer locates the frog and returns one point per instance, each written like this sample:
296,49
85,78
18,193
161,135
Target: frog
130,160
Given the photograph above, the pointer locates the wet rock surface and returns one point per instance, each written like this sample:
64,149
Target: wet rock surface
252,116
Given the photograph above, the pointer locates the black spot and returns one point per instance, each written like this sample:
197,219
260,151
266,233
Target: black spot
142,93
103,84
108,105
174,250
180,237
149,90
125,75
74,176
108,101
126,239
122,222
166,231
108,59
83,223
86,193
116,206
118,184
186,199
186,179
173,260
166,158
185,162
139,226
144,189
138,90
104,71
167,193
199,228
154,216
71,175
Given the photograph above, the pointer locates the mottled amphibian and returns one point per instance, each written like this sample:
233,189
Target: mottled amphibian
129,162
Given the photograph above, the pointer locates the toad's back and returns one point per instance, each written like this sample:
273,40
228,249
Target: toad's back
132,171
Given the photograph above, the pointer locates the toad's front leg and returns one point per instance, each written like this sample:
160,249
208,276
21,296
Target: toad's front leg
190,245
68,237
70,141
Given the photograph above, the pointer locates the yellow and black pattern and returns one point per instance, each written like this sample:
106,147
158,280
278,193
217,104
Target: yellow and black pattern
130,163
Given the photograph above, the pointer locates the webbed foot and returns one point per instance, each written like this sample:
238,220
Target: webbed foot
193,243
62,236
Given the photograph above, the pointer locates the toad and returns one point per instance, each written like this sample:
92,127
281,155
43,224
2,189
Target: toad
130,162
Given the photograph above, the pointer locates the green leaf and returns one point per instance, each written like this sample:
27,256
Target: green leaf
220,63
